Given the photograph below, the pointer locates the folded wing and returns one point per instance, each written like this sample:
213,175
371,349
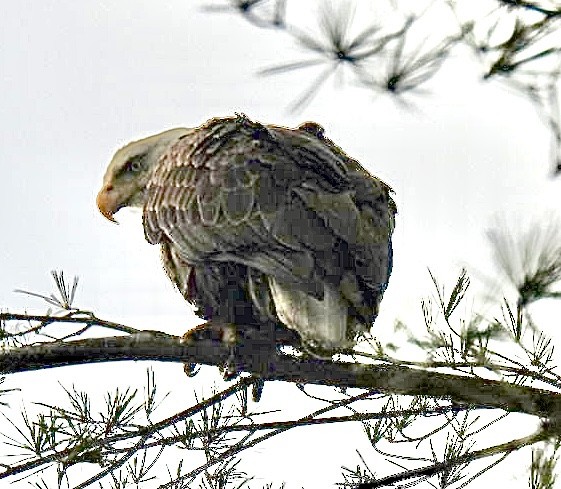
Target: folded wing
301,230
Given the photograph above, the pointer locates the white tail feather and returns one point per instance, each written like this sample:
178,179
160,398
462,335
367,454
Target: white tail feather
320,322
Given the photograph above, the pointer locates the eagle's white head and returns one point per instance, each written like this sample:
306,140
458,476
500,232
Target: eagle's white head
125,180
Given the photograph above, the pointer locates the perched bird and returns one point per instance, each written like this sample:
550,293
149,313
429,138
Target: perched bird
262,225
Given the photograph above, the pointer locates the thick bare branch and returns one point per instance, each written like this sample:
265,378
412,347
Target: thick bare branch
269,364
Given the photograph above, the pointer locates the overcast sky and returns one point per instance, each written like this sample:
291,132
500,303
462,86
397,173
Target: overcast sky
80,79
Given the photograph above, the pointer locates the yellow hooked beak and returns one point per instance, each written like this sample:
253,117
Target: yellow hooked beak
107,202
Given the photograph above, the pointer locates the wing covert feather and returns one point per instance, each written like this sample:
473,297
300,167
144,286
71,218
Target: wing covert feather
277,200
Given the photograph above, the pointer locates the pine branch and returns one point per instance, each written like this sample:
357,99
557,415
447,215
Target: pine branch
531,6
144,434
269,364
77,316
502,449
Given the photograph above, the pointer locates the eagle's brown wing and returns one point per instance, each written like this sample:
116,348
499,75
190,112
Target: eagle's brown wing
271,202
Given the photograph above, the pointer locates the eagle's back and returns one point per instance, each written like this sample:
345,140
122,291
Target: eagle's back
268,223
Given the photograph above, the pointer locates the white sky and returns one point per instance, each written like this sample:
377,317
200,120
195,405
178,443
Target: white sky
80,79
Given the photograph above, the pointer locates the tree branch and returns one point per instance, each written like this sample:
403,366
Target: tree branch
265,361
504,448
74,316
531,6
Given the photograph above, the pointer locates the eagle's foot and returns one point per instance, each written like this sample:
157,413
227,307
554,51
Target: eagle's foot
219,332
211,330
191,369
260,341
257,389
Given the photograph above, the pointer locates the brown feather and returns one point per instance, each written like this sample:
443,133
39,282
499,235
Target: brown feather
267,202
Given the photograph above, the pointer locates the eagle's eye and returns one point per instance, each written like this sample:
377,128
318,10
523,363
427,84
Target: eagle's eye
134,164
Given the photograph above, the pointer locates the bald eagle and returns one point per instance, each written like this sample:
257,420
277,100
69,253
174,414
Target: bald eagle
261,224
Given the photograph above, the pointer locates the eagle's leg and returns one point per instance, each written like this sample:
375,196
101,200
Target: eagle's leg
230,338
240,314
231,308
